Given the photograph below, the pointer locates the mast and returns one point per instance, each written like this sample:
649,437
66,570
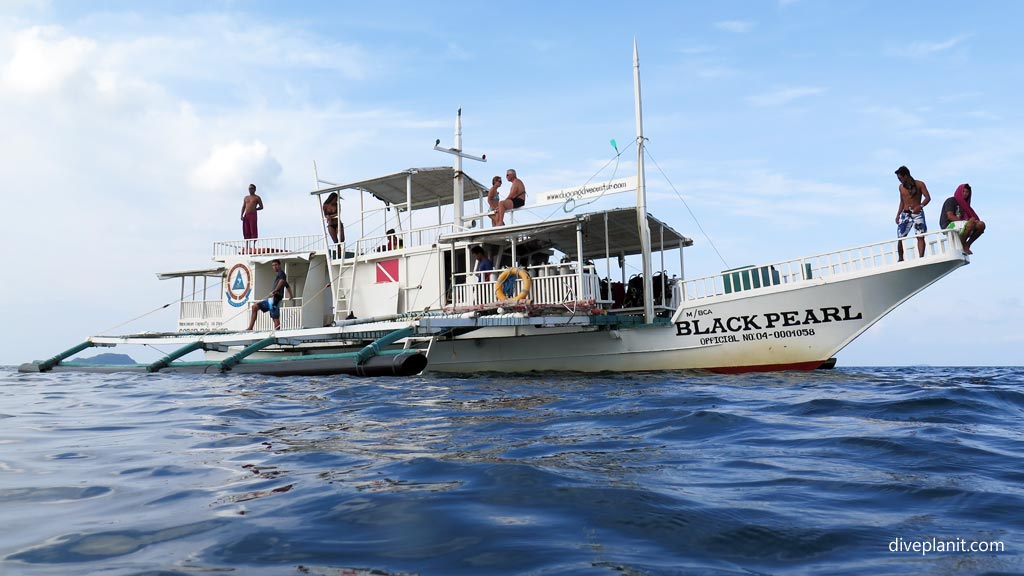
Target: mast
458,197
641,195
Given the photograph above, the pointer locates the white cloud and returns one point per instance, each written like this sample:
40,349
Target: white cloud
924,49
735,26
895,117
232,166
784,95
43,58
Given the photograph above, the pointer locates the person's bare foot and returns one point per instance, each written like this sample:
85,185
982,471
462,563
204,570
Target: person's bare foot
968,251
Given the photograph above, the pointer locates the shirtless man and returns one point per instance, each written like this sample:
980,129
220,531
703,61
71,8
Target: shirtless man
516,198
250,204
913,198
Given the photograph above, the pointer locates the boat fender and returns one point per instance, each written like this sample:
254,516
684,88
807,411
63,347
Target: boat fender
499,290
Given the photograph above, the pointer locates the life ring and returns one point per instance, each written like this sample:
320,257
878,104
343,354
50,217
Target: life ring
523,275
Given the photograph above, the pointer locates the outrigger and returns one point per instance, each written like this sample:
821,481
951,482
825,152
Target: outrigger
405,290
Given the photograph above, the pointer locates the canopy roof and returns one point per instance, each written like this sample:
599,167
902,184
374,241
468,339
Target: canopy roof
209,272
430,187
623,237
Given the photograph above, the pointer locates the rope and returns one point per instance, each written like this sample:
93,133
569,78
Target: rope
692,215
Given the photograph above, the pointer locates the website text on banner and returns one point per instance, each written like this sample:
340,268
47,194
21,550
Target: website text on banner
591,190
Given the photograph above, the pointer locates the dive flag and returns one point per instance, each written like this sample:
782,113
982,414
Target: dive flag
387,271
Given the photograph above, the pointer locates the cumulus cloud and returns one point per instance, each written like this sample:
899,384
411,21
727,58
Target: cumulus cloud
784,95
43,58
234,165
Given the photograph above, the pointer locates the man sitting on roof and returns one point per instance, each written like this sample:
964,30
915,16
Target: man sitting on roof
516,198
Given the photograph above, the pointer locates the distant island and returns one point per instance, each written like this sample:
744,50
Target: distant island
106,358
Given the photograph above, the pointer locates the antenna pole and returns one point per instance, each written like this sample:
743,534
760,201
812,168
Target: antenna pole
641,195
458,193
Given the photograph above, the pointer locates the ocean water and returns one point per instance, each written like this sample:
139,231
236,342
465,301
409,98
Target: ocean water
851,471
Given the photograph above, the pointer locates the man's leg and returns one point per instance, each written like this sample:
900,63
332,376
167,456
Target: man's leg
899,248
254,309
499,218
275,315
920,246
977,229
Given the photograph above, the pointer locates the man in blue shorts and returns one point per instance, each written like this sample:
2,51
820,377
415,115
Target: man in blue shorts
913,198
272,303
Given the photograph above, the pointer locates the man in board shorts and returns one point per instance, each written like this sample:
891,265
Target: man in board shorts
913,198
272,303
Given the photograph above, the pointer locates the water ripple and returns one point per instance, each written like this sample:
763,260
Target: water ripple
656,473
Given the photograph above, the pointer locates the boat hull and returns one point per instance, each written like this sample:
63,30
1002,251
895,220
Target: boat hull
777,328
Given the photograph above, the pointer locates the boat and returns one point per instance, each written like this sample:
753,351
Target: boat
403,295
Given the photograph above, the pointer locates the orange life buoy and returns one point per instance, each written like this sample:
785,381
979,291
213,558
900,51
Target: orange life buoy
523,275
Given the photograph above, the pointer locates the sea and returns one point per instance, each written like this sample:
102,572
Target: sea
852,471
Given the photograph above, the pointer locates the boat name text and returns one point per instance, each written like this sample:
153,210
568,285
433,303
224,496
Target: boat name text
768,320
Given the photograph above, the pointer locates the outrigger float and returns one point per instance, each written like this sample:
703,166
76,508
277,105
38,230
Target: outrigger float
386,303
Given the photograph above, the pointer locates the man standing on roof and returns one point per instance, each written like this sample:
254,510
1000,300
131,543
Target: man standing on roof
516,197
250,204
913,198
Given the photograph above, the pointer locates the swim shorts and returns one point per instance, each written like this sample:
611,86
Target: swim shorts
908,219
249,226
269,305
518,202
958,226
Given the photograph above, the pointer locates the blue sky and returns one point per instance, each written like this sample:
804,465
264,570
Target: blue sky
131,130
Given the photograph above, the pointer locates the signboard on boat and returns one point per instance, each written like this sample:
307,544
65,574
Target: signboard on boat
239,285
587,191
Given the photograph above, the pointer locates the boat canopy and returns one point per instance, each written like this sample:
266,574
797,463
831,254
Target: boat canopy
622,235
200,272
430,187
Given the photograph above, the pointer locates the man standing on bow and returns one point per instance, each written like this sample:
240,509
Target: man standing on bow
913,198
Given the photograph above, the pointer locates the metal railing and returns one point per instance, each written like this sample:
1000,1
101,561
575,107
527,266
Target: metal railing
291,318
282,245
550,284
401,239
200,310
870,257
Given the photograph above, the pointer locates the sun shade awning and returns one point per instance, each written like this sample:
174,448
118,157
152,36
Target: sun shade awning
623,237
430,187
208,272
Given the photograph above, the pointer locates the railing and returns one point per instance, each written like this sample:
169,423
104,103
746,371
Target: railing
207,315
291,318
402,239
550,284
873,257
282,245
206,310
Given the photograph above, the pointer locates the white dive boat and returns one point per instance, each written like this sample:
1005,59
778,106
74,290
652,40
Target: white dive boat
389,303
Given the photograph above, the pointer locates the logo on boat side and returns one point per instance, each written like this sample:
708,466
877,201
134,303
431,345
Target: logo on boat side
239,285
